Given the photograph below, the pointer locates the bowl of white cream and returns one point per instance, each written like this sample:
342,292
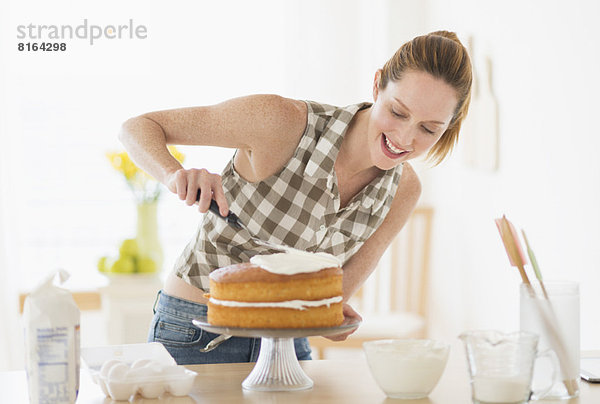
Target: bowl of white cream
406,368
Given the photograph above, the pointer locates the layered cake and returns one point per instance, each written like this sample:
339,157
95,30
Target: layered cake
294,289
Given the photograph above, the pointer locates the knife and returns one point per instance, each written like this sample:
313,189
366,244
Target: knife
231,218
235,222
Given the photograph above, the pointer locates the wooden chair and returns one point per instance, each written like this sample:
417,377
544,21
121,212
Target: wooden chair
393,301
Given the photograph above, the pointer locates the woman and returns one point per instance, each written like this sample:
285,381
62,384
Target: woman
307,175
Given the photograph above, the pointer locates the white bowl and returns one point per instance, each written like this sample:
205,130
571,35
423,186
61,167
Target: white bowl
407,368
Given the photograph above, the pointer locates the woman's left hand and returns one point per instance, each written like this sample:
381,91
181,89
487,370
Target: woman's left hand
350,316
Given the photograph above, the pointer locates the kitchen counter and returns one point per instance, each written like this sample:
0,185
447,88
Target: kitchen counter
336,381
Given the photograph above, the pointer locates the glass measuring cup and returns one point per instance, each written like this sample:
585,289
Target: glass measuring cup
501,366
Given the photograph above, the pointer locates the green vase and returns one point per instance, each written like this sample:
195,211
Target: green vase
147,236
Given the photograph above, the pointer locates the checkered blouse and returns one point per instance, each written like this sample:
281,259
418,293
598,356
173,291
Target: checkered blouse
298,207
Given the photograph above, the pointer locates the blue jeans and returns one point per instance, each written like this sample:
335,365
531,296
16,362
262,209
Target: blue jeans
172,326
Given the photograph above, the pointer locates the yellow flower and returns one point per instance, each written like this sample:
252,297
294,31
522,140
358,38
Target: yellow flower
127,167
115,160
179,156
144,187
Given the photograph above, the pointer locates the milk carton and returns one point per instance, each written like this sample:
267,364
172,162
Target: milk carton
51,322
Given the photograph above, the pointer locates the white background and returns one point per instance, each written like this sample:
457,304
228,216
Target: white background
62,205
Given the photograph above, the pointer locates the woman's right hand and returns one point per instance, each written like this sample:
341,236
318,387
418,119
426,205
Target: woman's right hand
187,183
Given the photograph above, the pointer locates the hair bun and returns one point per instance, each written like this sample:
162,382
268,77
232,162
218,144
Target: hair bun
446,34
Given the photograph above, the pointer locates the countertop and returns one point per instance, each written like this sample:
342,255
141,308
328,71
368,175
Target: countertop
335,381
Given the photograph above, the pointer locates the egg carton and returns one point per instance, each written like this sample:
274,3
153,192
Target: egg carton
122,371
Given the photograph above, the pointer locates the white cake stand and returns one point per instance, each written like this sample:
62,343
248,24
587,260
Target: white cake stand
277,367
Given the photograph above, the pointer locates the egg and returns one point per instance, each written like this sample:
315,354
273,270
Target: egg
118,372
106,366
150,378
121,390
154,368
118,383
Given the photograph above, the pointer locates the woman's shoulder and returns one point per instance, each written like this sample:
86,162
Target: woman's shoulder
281,122
296,112
410,184
297,109
290,114
269,119
277,104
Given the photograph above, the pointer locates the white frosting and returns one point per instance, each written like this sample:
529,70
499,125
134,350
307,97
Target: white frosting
290,304
295,261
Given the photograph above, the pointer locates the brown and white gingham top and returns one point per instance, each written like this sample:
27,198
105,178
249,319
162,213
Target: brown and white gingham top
298,207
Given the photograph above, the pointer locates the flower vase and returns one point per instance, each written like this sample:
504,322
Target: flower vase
147,236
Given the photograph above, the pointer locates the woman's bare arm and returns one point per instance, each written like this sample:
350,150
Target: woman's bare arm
265,127
360,265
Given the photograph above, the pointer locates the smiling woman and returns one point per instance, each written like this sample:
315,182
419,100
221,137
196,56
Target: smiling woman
305,174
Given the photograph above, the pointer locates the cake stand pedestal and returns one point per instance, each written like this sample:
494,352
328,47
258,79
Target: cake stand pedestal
277,367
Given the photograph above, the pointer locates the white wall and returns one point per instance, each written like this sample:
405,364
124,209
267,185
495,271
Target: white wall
545,60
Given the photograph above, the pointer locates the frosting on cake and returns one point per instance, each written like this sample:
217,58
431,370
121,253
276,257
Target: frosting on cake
289,304
294,261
